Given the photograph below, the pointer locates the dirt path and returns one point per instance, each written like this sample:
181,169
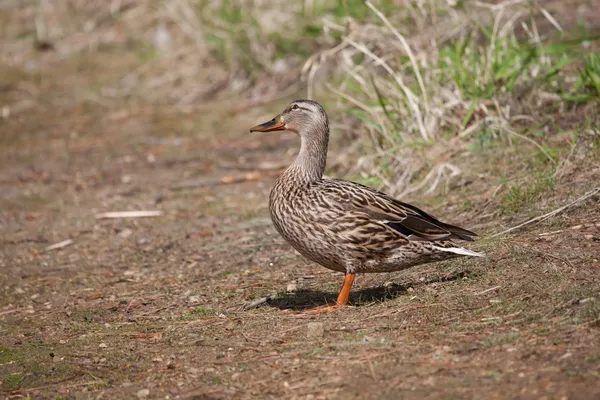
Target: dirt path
149,307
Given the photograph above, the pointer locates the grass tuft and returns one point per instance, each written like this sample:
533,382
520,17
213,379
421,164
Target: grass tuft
13,381
197,313
587,86
519,196
499,340
421,103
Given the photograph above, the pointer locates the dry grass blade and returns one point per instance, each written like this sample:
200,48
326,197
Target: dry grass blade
410,96
129,214
487,290
551,19
550,214
505,128
59,245
407,48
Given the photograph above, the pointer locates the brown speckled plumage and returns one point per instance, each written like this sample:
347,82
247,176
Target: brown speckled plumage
342,225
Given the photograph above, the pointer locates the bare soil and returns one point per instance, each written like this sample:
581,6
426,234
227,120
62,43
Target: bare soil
150,307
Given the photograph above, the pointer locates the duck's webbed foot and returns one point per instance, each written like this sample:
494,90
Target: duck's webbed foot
342,299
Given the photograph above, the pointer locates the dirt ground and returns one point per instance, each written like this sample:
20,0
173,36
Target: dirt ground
150,307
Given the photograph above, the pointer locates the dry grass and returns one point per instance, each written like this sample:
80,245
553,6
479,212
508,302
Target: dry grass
426,97
216,48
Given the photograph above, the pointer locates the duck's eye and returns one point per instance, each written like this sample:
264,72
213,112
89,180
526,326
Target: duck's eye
295,107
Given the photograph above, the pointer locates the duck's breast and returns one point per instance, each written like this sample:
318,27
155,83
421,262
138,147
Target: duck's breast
298,221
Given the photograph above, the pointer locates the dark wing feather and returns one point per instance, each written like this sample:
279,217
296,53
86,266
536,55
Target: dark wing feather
401,217
457,232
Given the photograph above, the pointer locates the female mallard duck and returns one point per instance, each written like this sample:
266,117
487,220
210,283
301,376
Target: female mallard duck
345,226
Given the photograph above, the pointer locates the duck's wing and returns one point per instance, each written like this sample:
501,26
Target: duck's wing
372,208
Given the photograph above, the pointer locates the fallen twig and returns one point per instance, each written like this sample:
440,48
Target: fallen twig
530,140
258,302
10,311
550,214
551,233
59,245
487,290
129,214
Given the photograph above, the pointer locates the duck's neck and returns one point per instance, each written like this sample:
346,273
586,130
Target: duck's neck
310,162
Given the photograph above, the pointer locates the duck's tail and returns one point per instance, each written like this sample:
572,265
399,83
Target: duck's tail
460,251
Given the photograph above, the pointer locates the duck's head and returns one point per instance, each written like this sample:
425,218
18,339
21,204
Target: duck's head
305,117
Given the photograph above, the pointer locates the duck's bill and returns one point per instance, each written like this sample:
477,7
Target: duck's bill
273,125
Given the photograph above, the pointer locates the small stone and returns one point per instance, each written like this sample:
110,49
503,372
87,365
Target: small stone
125,233
509,348
371,339
291,287
315,330
143,393
103,345
5,112
193,371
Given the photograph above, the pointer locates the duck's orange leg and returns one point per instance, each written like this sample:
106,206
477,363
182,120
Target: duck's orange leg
342,299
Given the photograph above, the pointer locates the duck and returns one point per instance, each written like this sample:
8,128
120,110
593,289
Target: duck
345,226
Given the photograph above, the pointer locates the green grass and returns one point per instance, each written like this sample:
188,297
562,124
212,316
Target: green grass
13,381
484,86
482,72
499,340
198,312
237,35
587,86
594,358
519,196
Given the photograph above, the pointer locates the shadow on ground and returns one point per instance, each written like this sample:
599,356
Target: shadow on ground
308,298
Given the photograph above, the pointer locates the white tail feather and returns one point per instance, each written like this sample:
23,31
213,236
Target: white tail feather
459,250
